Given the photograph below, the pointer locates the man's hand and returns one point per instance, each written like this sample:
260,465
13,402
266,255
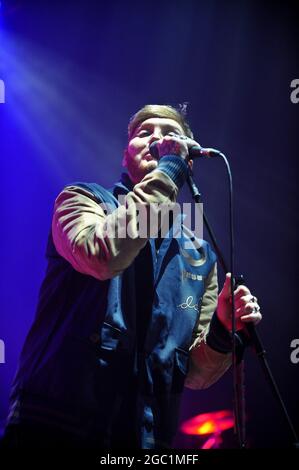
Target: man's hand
174,144
247,308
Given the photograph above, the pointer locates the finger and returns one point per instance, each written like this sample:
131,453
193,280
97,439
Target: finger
247,306
248,298
172,145
190,142
242,301
252,318
252,307
193,143
241,291
247,309
226,290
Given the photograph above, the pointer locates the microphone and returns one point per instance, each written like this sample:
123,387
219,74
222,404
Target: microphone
196,151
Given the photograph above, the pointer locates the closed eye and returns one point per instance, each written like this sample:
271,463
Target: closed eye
143,133
147,132
172,131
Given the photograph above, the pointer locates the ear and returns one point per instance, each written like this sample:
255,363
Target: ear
124,160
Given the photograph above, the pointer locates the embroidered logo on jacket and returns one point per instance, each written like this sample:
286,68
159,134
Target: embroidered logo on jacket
189,304
194,277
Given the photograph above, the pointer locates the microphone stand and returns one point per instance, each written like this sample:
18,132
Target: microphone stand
251,336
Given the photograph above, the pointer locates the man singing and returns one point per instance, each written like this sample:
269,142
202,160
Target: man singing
124,322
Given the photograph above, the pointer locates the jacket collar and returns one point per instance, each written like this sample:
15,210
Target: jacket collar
123,186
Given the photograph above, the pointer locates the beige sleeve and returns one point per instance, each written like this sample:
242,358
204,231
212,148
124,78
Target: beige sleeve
82,230
206,365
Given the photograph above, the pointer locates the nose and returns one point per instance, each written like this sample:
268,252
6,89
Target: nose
156,135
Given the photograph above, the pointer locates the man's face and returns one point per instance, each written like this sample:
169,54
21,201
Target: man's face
137,158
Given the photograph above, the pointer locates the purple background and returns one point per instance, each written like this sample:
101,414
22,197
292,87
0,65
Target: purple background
75,72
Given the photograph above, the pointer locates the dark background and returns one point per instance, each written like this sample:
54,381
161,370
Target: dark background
75,71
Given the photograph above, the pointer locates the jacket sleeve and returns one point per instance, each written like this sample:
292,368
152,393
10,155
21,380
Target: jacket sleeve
207,364
82,230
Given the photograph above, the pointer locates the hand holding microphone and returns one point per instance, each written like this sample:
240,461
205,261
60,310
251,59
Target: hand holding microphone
181,145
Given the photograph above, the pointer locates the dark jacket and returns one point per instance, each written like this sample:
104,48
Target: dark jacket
81,350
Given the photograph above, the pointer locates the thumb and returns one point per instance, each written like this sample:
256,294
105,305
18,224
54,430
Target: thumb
226,290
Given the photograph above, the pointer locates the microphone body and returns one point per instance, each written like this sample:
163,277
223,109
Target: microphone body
196,151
